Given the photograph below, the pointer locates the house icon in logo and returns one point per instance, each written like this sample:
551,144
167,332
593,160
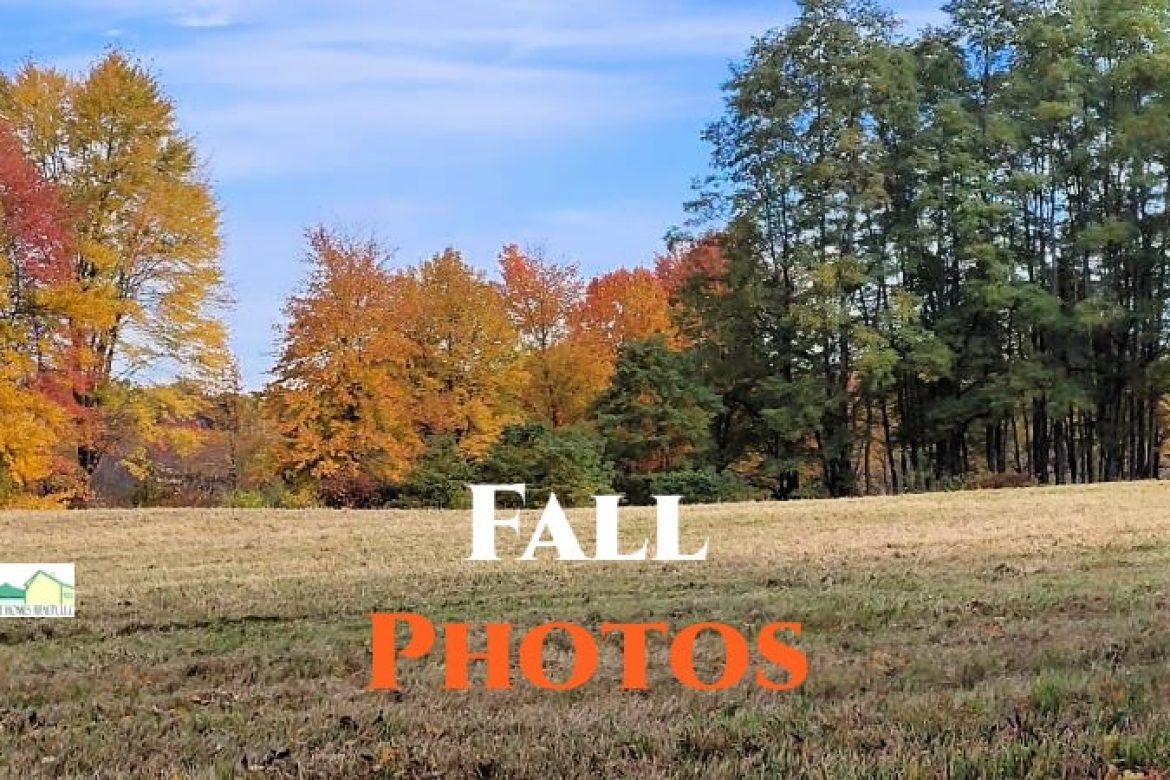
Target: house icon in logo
45,589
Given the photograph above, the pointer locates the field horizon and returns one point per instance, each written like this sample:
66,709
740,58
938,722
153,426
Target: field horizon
1010,633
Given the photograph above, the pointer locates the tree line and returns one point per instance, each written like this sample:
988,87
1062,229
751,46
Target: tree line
919,262
947,253
402,384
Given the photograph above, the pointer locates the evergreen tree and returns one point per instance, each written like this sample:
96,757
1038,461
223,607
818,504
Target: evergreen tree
567,461
656,414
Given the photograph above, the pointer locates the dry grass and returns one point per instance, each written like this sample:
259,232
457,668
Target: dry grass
999,633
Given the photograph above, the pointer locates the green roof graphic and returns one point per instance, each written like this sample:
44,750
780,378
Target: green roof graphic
11,591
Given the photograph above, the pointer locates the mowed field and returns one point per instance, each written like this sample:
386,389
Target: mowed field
986,634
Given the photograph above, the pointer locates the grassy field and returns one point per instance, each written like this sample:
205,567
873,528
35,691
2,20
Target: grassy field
989,634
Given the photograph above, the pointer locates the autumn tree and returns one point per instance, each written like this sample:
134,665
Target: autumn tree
692,267
466,370
656,414
541,297
34,247
617,308
147,287
340,393
622,306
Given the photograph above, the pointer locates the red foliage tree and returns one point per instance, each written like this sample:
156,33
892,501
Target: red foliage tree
34,368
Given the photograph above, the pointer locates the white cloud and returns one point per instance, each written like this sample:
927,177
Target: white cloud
300,86
183,13
363,129
203,20
288,93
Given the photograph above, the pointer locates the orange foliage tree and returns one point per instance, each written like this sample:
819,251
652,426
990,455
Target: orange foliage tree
623,306
541,297
690,271
340,393
619,307
375,363
571,333
700,264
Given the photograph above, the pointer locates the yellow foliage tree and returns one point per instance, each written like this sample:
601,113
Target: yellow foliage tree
467,372
31,427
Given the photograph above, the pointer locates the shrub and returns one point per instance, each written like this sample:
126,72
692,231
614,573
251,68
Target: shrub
1007,479
354,490
246,499
567,461
439,478
696,486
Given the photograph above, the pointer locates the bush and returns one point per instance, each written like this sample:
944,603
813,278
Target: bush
354,490
439,478
246,499
566,461
1008,479
696,486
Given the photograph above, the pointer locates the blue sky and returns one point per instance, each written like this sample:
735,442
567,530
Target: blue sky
573,126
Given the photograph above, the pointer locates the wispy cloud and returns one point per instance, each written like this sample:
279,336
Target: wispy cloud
203,20
253,74
182,13
301,91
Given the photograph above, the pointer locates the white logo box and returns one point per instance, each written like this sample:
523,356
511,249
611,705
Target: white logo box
37,590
